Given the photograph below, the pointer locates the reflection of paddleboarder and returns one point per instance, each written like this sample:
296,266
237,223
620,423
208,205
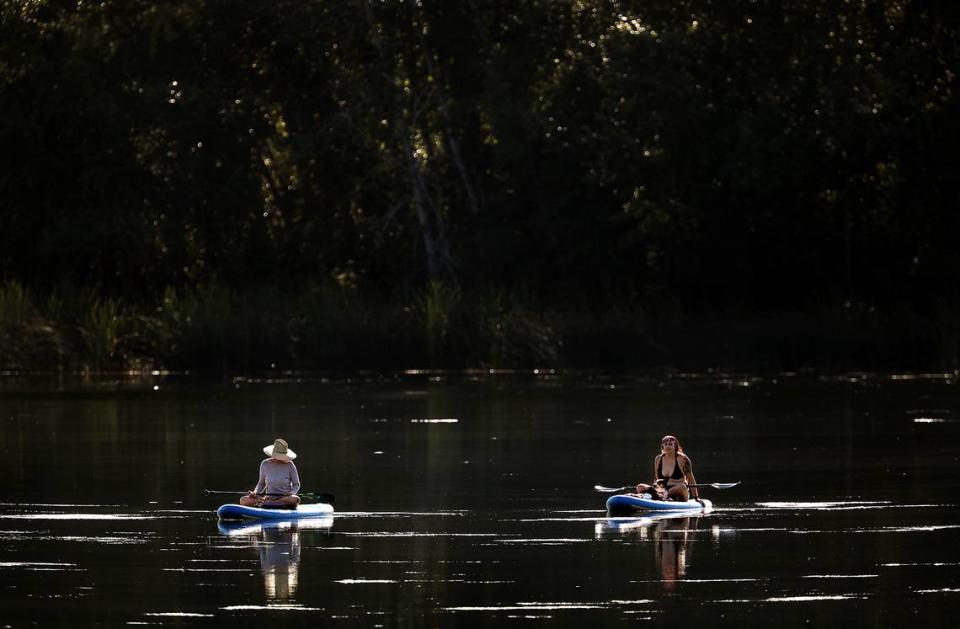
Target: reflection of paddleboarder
669,533
278,545
671,550
280,562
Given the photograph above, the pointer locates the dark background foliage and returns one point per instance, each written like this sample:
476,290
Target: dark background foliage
679,162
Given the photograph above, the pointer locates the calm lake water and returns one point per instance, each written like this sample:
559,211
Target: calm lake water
466,500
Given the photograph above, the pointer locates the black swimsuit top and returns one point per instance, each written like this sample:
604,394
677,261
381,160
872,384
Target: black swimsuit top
677,472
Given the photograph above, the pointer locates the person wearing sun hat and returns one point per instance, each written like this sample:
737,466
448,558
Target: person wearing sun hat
279,481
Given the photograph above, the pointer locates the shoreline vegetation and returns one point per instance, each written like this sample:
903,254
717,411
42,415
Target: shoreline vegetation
604,185
440,327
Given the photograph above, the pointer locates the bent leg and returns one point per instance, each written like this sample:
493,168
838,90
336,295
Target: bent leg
678,492
283,501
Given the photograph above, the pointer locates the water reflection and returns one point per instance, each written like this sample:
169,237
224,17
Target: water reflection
278,545
671,534
672,550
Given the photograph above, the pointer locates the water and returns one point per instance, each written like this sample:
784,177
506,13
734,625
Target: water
467,500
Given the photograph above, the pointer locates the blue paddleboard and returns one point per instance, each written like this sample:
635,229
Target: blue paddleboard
633,502
240,512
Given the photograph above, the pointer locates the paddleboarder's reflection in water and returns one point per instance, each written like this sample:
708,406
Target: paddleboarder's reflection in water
672,536
278,545
672,549
280,563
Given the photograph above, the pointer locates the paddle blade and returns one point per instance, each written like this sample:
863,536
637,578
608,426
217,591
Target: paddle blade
610,490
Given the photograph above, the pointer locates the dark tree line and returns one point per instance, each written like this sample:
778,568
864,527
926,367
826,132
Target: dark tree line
713,156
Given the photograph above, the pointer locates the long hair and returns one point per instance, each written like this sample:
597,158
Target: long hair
679,447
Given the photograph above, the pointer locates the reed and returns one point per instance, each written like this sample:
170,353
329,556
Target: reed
336,328
436,307
212,328
441,326
16,304
508,330
100,329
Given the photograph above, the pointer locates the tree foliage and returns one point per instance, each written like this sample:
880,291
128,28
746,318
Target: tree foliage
710,155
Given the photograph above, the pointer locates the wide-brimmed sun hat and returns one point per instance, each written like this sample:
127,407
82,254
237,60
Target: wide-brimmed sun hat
280,451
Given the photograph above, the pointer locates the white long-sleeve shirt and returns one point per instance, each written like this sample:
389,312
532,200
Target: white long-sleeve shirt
278,477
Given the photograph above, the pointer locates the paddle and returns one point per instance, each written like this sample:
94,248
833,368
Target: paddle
613,490
324,498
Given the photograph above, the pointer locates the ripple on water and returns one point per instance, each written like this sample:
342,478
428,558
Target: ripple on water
841,505
216,570
828,505
76,516
812,597
178,614
686,580
593,519
278,607
399,514
413,534
133,538
40,565
545,541
840,576
920,563
807,598
921,528
526,607
58,505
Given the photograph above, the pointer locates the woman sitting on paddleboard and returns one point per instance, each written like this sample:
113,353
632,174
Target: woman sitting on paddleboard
672,472
279,481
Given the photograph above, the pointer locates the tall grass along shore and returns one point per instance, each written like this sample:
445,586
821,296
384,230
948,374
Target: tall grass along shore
442,327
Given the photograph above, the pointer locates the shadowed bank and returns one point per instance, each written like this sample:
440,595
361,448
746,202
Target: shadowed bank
552,184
